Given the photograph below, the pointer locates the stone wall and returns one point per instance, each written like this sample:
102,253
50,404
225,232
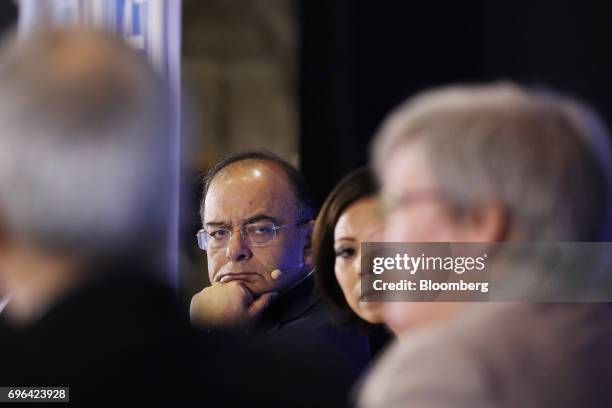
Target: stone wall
239,70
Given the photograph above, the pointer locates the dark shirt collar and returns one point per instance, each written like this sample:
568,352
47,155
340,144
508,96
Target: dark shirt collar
289,306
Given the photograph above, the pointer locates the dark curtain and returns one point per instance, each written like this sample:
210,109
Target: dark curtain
360,58
8,15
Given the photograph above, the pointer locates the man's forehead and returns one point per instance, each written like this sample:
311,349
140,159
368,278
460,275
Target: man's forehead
249,188
251,170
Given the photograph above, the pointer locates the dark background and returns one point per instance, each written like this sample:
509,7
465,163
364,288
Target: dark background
360,58
8,15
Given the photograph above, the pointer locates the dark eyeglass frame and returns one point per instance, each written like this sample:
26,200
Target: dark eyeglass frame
390,205
202,235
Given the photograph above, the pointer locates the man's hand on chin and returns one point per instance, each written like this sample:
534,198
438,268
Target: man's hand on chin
227,305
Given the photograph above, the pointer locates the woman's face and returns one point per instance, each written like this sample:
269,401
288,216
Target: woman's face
359,223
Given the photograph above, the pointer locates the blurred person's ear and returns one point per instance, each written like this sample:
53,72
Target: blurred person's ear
487,223
308,229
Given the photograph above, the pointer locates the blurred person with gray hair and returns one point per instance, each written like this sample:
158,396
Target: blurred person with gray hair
84,180
485,164
84,190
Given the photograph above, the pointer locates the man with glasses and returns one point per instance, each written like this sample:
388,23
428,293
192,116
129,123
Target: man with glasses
257,219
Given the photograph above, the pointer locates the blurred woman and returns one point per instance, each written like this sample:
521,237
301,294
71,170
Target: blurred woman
348,217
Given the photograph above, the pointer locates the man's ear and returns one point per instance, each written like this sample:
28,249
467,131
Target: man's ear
308,229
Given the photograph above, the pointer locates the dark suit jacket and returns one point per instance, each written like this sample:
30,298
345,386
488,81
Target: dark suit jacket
122,339
297,356
301,313
119,340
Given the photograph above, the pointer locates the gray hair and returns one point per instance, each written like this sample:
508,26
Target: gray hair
545,158
83,160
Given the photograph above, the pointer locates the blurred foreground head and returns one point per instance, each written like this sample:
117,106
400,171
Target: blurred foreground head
494,163
487,164
83,161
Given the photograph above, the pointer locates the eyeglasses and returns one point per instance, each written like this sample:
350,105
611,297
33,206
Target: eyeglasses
256,234
392,204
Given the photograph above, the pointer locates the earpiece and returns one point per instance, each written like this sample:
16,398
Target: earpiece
275,274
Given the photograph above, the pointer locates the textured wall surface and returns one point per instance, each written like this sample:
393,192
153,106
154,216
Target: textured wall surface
239,69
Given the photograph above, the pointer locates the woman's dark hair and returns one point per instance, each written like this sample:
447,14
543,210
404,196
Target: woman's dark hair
356,185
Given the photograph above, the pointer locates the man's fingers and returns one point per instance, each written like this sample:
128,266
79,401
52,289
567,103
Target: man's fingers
247,294
261,303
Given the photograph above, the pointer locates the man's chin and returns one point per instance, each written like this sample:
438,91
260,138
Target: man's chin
257,289
255,284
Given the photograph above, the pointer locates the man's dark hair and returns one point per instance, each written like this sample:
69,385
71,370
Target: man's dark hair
301,190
